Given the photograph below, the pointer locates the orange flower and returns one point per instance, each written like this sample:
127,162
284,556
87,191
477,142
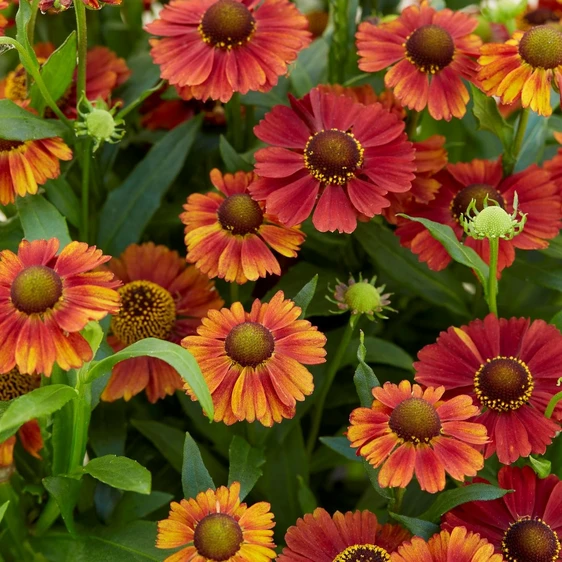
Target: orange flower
228,237
252,361
161,298
217,526
547,12
45,300
430,434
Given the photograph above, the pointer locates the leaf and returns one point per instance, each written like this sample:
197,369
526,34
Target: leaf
307,500
40,220
380,351
121,473
364,378
342,446
145,75
232,160
60,194
373,474
304,297
136,506
129,208
22,20
418,527
35,404
195,477
168,440
65,491
3,509
489,117
175,355
21,125
245,462
11,234
543,467
533,141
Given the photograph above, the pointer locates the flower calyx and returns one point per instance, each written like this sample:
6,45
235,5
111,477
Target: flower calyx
98,122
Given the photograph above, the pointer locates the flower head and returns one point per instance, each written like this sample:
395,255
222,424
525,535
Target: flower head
99,123
409,430
546,12
362,297
253,361
62,5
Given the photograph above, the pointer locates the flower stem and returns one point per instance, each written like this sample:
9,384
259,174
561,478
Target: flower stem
493,275
518,141
412,123
85,163
82,33
234,293
234,119
48,516
32,20
552,404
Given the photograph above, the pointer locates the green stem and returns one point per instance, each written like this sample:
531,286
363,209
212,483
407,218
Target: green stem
396,503
85,162
518,140
552,404
234,293
325,389
81,31
249,125
32,21
47,518
412,125
234,121
493,275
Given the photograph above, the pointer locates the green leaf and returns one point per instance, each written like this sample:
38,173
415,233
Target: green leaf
22,20
533,141
543,467
21,125
11,234
175,355
168,440
195,477
489,117
40,220
3,509
381,352
304,297
557,320
245,462
364,378
65,491
232,160
307,500
136,506
418,527
35,404
61,195
342,446
121,473
129,208
373,474
145,75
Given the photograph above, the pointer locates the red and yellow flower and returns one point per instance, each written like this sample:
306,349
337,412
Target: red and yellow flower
343,537
160,298
546,12
228,234
433,51
46,299
218,47
510,369
408,430
331,154
62,5
253,361
217,526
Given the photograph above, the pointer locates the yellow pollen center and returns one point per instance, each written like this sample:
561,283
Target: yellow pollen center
363,553
430,48
15,87
503,384
541,47
227,24
240,214
8,145
13,384
217,537
415,420
147,311
478,192
530,540
36,289
333,156
249,344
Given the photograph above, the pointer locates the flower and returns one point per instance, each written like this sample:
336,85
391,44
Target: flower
432,49
161,298
524,68
227,234
539,198
362,297
330,148
253,361
218,47
458,545
217,526
62,5
357,535
510,369
547,12
46,299
523,525
409,430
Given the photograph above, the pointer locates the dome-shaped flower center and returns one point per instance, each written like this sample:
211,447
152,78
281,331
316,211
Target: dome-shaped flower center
363,553
217,537
362,298
13,384
541,47
530,540
503,384
249,344
415,420
431,48
227,24
36,289
240,214
7,145
147,311
15,87
540,16
333,156
493,222
478,192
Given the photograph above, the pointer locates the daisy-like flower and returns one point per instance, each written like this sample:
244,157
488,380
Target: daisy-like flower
524,68
408,430
228,234
433,50
330,150
348,537
62,5
160,298
546,12
523,525
46,299
217,526
458,545
253,361
218,47
539,197
510,369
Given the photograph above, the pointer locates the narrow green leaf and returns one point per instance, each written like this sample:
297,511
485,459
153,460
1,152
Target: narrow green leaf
22,20
418,527
3,509
145,75
381,352
304,297
232,160
364,378
121,473
21,125
342,446
533,142
65,491
195,477
168,440
543,467
307,500
489,117
245,462
136,506
61,195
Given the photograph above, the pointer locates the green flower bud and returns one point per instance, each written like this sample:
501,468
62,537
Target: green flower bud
100,124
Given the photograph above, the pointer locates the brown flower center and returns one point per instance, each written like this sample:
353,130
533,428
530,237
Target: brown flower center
333,156
249,344
503,384
415,420
530,540
13,384
15,87
147,311
363,553
541,47
478,192
227,24
7,145
430,48
36,289
240,214
541,16
217,537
